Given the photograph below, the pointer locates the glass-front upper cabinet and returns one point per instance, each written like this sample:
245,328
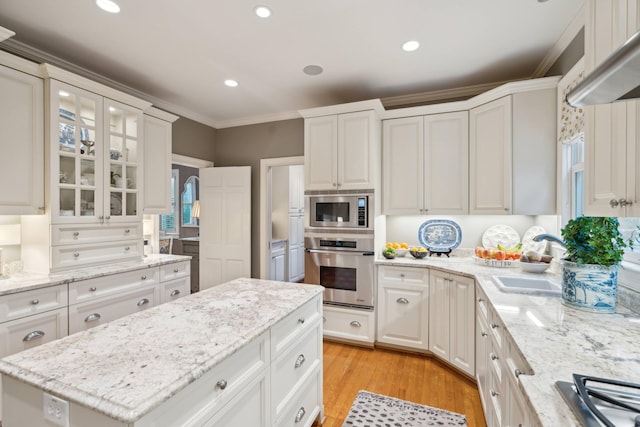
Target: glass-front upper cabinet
77,160
96,145
123,156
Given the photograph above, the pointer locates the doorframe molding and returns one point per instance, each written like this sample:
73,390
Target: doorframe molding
265,214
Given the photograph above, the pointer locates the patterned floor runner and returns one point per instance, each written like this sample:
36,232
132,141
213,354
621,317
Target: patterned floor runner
375,410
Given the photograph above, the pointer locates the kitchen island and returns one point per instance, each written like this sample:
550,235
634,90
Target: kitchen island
204,359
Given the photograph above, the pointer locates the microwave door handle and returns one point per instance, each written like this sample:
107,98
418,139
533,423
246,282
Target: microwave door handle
320,251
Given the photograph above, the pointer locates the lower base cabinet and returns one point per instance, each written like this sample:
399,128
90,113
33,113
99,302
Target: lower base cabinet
349,325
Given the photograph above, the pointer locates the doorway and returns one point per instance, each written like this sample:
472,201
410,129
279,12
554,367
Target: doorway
293,232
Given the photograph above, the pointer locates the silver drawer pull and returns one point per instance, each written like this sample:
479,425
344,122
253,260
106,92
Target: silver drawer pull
175,270
494,356
33,335
142,302
76,234
127,231
93,289
175,292
222,384
494,326
402,301
92,317
76,255
299,361
480,299
517,372
127,248
35,301
494,393
300,414
144,277
355,324
484,334
107,217
301,320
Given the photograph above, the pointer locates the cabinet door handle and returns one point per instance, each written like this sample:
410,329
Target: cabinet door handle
101,217
35,301
300,414
76,234
222,384
299,361
127,248
355,324
402,301
33,336
142,302
480,299
494,393
613,203
143,277
93,289
175,270
127,231
484,334
517,372
301,320
76,255
494,356
175,292
92,317
494,326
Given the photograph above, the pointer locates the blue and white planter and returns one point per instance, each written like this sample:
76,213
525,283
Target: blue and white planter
590,287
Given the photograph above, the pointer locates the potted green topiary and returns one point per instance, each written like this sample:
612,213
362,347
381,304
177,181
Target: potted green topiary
595,247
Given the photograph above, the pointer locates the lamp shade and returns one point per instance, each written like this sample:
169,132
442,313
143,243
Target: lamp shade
9,234
195,209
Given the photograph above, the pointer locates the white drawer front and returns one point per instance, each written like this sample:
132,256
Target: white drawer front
294,325
113,284
70,256
305,406
290,369
408,275
93,313
348,324
72,234
21,334
21,304
175,289
175,270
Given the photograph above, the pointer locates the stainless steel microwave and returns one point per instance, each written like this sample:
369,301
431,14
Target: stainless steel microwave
341,211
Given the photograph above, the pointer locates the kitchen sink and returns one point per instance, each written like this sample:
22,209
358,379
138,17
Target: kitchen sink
527,285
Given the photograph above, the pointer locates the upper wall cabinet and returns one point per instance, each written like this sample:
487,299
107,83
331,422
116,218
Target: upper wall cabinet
612,134
512,152
157,161
21,139
425,165
341,151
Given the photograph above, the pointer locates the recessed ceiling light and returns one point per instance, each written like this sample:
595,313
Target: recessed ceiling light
263,11
312,70
231,83
410,46
108,6
63,93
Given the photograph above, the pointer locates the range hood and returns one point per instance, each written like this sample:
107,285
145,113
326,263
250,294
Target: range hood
616,78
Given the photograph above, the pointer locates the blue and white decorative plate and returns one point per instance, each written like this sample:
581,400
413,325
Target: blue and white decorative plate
440,235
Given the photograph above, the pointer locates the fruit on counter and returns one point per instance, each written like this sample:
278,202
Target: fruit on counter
496,253
396,245
516,248
418,249
389,253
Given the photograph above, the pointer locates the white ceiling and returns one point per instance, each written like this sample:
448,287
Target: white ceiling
180,52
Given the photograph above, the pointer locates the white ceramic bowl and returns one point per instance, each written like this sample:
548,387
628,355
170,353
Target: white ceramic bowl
401,252
534,267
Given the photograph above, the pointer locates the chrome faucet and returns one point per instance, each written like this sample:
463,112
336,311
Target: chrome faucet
549,237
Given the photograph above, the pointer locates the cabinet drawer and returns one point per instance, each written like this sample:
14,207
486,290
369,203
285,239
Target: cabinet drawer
174,289
31,331
72,256
114,284
93,313
72,234
405,275
293,367
21,304
482,302
293,326
190,248
175,270
304,408
349,324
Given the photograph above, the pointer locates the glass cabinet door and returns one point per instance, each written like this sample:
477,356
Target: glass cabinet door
123,134
76,142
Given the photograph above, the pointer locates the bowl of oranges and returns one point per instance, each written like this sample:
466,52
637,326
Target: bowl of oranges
400,249
418,252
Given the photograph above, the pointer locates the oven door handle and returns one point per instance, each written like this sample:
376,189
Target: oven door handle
320,251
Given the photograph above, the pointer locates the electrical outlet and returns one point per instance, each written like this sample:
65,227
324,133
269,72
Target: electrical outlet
56,410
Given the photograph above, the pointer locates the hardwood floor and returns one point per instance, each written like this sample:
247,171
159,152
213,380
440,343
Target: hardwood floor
417,378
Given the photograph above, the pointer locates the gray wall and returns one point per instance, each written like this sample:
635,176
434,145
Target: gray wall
193,139
245,146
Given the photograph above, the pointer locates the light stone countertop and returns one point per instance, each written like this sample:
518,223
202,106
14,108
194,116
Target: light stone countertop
24,281
555,340
128,367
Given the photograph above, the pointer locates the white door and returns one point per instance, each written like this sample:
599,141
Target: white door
225,225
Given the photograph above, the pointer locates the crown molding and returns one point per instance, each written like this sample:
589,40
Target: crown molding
563,42
5,34
246,121
439,95
350,107
160,114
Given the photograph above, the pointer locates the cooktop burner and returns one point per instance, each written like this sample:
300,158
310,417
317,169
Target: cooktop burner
600,402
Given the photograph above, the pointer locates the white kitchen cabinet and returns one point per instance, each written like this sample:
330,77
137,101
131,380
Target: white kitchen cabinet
452,319
296,189
349,325
21,141
403,307
296,247
612,135
341,151
512,152
278,264
157,161
425,164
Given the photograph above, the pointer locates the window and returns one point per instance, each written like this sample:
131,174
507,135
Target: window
189,197
573,179
169,222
